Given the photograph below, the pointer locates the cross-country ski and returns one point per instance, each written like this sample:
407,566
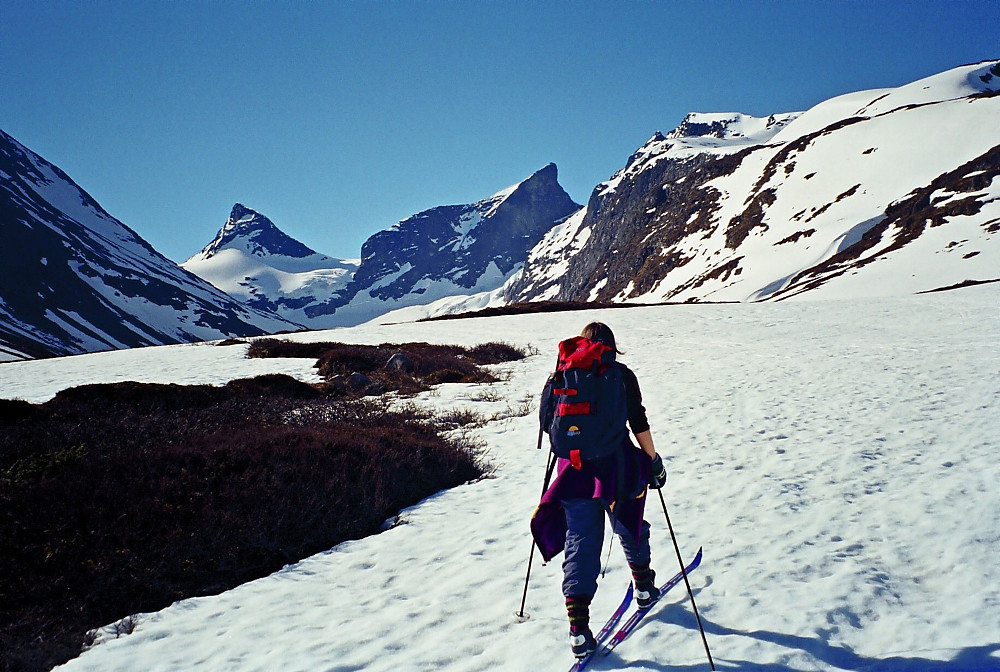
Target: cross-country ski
633,621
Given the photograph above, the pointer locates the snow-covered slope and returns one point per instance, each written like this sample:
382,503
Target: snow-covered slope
74,279
837,460
255,262
884,192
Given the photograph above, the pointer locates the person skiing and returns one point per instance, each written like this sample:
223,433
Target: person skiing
570,515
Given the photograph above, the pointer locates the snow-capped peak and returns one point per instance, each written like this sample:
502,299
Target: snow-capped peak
249,231
731,126
253,260
701,132
880,191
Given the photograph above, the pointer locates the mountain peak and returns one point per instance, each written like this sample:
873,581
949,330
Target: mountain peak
241,211
548,172
545,177
860,195
717,125
542,185
729,127
250,231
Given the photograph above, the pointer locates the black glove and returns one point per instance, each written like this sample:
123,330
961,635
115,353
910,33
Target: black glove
658,474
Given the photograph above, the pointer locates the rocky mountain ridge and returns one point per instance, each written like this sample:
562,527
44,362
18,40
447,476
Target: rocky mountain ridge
450,250
871,193
883,192
75,279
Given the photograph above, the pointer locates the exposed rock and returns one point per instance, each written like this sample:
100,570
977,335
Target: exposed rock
358,381
451,249
400,362
252,231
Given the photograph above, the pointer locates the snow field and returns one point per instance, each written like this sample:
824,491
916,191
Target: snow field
39,380
863,160
837,460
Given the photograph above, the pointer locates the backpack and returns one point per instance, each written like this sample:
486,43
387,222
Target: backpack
583,406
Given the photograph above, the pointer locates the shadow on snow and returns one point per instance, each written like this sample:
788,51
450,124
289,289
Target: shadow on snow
970,659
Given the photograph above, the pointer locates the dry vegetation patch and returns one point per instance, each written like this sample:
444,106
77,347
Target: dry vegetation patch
358,370
123,498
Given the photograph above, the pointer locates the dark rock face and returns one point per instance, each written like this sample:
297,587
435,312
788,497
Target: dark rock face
465,245
656,209
74,279
646,212
258,234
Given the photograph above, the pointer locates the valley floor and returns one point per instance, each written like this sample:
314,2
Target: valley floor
838,461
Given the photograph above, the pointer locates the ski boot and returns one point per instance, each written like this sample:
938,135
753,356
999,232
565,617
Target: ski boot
646,592
581,639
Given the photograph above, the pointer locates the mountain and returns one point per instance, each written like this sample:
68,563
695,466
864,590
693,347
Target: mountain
255,262
448,251
75,279
452,250
883,192
874,193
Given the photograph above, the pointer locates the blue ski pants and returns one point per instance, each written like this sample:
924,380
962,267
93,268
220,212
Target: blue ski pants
584,541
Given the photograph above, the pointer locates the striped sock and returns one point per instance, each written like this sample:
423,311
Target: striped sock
578,610
642,578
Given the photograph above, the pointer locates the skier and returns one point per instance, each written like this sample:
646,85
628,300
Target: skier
570,515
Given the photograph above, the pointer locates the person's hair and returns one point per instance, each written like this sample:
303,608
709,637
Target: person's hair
600,332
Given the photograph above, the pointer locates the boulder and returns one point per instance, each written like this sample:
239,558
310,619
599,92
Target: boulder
400,362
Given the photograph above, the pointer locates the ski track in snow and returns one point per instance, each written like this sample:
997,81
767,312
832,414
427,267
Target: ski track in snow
836,459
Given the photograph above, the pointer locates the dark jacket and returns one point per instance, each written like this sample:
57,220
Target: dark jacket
599,479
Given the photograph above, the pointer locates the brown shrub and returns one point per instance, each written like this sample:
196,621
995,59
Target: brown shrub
12,410
278,347
272,385
497,352
123,498
432,364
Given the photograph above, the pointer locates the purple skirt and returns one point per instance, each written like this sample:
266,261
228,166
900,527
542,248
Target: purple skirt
599,479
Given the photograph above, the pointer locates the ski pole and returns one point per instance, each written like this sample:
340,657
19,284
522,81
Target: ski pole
551,463
687,583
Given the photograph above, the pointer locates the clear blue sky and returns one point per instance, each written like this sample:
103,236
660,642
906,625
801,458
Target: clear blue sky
337,119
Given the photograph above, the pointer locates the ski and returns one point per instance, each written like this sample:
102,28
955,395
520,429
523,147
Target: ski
637,617
606,630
